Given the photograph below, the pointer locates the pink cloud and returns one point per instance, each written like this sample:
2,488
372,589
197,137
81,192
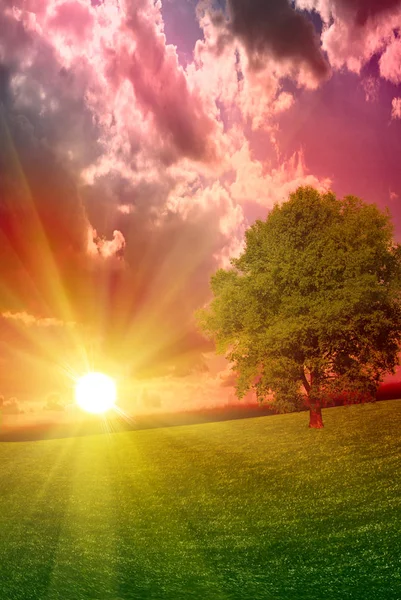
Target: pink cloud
29,320
74,17
216,77
283,102
371,87
126,209
390,62
228,68
160,86
254,182
10,407
98,246
396,108
258,99
132,80
216,203
357,12
355,30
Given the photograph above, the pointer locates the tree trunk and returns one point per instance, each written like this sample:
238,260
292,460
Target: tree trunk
315,416
315,409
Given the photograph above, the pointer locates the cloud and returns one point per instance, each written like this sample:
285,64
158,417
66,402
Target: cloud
225,77
29,320
72,19
371,86
248,84
256,183
10,407
355,30
125,209
273,31
98,246
357,12
396,108
160,85
361,11
116,72
390,62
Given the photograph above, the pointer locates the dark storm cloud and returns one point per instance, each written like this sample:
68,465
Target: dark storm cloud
274,28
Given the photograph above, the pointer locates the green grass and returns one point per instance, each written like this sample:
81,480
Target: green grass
259,508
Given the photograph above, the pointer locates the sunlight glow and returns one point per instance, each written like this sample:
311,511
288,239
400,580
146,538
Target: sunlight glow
95,392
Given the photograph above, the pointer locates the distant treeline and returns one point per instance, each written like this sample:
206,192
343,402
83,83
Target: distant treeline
95,426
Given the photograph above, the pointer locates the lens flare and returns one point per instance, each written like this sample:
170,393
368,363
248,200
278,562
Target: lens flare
95,392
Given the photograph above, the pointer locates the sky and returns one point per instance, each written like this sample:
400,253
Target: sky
139,140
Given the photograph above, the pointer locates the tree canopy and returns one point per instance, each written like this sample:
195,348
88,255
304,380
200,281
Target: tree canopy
311,309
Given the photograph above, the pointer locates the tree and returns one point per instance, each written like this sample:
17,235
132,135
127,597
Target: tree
311,309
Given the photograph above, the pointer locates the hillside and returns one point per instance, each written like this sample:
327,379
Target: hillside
258,508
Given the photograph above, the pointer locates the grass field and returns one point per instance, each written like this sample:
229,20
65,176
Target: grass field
259,508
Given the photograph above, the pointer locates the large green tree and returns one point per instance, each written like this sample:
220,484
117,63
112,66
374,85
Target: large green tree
311,309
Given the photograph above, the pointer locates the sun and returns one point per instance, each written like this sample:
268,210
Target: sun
95,392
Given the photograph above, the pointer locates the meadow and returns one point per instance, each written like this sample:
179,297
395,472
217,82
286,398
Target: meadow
260,508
